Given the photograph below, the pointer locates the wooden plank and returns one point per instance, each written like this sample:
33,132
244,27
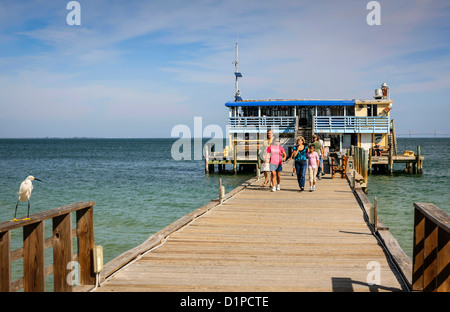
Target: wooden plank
85,235
430,256
418,251
434,214
443,259
34,257
62,251
5,261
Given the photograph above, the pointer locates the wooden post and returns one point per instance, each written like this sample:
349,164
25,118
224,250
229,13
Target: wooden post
430,253
258,165
85,234
418,244
62,251
443,259
5,261
365,163
370,160
419,168
353,178
375,214
408,168
235,157
206,160
34,257
220,191
391,159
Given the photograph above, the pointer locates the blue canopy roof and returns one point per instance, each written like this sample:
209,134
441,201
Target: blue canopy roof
292,103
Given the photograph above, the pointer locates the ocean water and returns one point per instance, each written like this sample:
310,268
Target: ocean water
140,189
397,192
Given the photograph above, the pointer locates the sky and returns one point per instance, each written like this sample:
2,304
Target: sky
137,69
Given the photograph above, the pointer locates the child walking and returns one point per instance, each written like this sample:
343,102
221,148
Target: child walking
313,162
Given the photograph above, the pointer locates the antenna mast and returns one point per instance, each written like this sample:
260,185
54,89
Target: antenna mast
237,74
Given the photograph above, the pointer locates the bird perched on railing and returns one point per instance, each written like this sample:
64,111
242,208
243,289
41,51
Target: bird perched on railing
24,195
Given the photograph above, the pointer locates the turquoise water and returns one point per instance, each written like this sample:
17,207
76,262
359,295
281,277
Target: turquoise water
398,192
140,189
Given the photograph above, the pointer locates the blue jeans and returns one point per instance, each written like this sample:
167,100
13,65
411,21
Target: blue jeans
300,168
319,170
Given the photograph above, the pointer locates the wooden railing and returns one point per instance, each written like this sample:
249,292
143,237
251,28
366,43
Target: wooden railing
351,124
261,124
431,252
35,243
359,167
361,161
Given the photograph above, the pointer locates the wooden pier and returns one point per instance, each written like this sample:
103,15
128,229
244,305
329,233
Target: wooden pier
258,240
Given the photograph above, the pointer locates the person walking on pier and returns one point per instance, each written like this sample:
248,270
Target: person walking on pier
313,162
300,164
319,150
265,167
277,155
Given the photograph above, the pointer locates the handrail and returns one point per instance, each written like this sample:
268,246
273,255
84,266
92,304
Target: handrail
431,251
351,124
281,124
34,245
281,121
322,124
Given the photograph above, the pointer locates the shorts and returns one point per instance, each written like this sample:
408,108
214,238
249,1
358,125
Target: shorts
276,168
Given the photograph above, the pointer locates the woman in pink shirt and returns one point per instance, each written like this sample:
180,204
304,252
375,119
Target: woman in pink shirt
277,156
313,162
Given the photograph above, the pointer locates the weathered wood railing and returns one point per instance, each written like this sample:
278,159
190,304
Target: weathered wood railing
431,252
358,167
361,161
35,243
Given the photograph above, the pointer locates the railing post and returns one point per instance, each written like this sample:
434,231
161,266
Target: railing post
62,251
419,234
220,191
235,157
5,261
34,257
430,256
85,234
443,259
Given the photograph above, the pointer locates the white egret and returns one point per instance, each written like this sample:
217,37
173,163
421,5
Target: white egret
24,195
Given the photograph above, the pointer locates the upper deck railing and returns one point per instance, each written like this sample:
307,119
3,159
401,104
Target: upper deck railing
351,124
256,124
322,124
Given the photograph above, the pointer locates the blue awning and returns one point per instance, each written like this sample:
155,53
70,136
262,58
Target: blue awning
292,103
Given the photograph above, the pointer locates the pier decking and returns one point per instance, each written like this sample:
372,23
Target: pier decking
258,240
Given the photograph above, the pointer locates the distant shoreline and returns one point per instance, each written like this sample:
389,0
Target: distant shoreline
160,138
